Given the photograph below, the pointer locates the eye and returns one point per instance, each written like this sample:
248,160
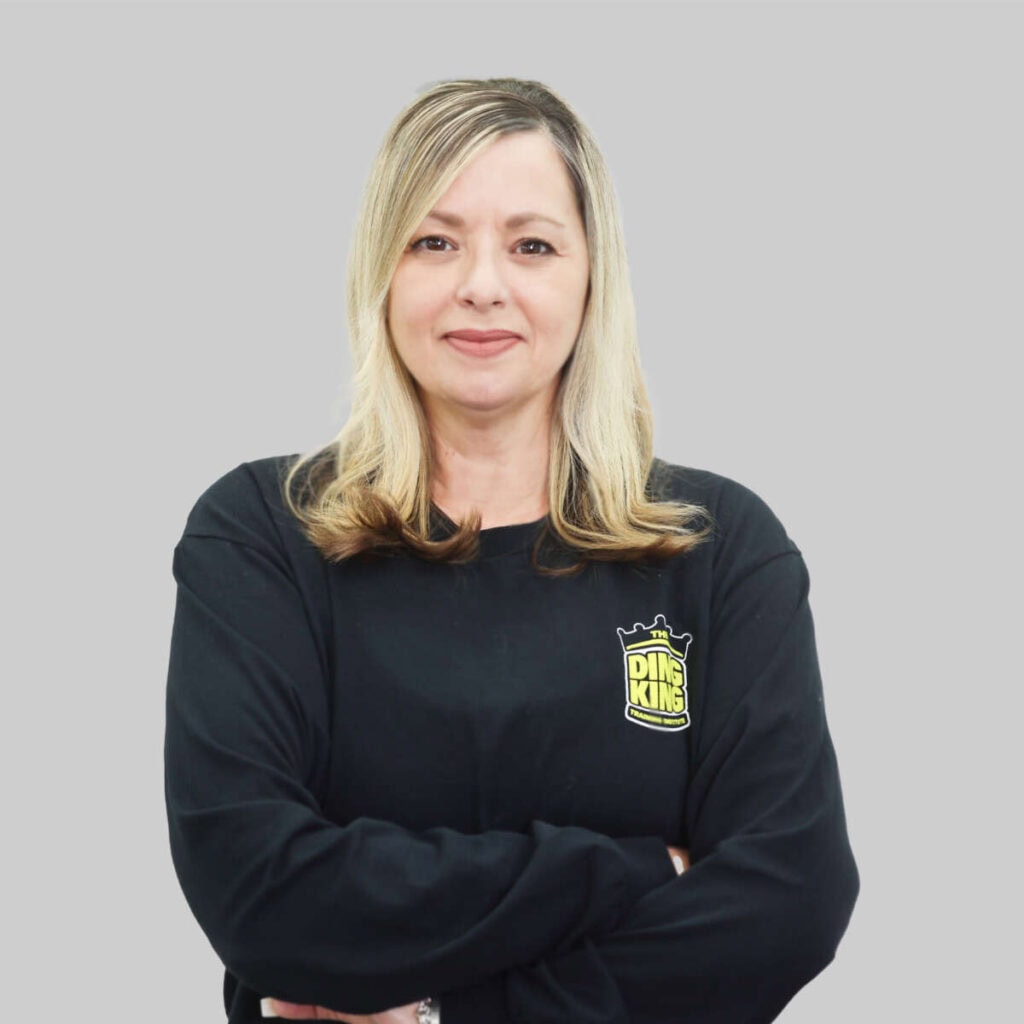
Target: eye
537,241
418,244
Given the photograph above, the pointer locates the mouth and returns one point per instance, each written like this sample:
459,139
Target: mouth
472,335
482,344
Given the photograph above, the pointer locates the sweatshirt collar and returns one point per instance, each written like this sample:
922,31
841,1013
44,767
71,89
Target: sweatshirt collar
494,540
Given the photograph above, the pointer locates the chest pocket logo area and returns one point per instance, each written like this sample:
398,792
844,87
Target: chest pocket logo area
655,664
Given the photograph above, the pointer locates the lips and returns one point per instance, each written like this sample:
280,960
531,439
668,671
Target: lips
480,344
482,335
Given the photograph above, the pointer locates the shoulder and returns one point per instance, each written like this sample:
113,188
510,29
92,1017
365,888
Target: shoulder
245,504
744,527
240,544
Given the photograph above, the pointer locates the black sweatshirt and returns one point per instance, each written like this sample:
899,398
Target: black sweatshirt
387,778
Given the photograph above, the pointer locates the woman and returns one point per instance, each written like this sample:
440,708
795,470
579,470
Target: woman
454,699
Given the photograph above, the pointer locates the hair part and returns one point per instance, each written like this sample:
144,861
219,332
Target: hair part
369,489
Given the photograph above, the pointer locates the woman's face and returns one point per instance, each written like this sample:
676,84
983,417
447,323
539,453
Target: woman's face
470,266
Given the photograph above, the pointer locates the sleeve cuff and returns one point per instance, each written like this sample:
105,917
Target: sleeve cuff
649,865
474,1004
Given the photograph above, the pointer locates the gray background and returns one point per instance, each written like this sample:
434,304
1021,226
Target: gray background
824,217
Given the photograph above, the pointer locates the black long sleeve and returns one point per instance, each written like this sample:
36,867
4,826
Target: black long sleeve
365,915
773,881
397,780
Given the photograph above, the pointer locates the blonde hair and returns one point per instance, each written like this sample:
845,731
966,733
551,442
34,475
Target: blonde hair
369,488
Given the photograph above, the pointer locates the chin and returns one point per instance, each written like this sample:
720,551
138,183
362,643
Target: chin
488,403
482,400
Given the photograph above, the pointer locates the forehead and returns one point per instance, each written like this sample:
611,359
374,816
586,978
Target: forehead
518,179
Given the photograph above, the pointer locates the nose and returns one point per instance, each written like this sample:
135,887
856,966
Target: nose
481,280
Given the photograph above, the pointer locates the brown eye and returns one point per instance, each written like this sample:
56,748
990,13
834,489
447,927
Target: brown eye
418,244
536,241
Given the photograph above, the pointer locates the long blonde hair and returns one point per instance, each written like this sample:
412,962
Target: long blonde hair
369,488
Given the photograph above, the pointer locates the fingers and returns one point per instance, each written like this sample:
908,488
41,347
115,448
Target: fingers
680,858
304,1011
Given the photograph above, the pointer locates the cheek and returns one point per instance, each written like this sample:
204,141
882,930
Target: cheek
413,316
556,312
409,297
545,302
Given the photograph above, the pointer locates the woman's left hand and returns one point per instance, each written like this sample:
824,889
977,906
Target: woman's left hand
300,1011
680,858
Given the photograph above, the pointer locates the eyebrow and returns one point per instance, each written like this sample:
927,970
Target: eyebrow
515,221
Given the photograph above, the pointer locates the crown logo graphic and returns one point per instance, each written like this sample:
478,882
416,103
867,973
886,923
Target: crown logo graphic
654,662
659,632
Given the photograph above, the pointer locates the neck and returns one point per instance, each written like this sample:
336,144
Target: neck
500,470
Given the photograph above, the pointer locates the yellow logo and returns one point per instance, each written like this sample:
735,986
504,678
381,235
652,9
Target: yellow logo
654,659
